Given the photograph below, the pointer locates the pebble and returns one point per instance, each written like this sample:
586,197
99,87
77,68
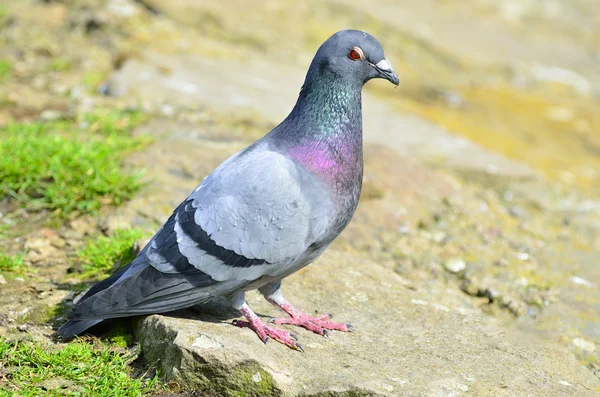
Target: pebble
404,229
83,226
439,237
455,265
584,344
523,256
2,280
581,281
58,242
564,383
50,115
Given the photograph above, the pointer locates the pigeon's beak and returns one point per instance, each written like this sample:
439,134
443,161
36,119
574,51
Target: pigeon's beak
384,68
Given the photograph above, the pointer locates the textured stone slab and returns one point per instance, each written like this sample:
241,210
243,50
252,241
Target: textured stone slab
430,342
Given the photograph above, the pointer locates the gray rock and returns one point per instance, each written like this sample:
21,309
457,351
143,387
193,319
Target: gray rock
400,348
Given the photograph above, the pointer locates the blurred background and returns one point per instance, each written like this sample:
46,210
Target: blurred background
482,167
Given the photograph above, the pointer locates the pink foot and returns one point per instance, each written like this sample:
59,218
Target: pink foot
319,324
266,332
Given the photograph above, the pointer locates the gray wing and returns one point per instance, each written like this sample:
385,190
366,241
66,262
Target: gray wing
255,215
140,288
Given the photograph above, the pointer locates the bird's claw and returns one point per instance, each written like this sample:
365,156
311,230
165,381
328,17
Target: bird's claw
319,324
265,333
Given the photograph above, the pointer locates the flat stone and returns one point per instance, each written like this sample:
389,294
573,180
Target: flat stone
449,348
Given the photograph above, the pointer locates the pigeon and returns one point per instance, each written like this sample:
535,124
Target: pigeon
263,214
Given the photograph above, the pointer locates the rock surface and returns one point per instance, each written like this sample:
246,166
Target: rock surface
428,342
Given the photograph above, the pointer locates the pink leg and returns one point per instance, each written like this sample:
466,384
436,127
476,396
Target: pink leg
264,331
318,324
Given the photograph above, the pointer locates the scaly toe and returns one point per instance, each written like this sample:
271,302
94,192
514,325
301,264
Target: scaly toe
281,336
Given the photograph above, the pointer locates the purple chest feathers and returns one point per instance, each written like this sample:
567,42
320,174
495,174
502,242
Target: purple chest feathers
340,164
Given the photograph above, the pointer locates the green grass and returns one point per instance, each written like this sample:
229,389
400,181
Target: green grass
5,69
70,166
92,80
77,369
61,65
100,255
108,122
11,263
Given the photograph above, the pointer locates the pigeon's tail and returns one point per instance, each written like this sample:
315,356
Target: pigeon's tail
75,327
140,289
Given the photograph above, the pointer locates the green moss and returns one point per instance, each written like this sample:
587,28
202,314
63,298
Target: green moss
101,255
119,335
68,168
251,380
77,369
245,380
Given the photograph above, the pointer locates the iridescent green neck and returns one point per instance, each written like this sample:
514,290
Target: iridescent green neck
323,132
329,108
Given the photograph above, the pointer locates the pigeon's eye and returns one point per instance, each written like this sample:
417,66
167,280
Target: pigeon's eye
356,54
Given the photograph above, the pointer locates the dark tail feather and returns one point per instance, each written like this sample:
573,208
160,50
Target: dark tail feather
75,327
138,289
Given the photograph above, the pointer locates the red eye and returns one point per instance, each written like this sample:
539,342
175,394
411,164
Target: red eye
356,54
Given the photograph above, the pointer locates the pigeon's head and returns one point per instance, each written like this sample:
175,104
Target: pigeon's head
355,56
